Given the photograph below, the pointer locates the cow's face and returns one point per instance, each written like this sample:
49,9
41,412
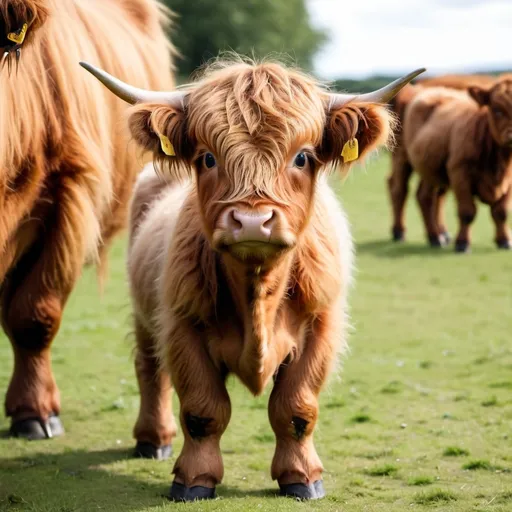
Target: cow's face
256,138
498,99
261,220
256,134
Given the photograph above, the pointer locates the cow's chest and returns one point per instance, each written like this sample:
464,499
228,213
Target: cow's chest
254,353
491,186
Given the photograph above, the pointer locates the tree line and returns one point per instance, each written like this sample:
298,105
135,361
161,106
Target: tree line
203,28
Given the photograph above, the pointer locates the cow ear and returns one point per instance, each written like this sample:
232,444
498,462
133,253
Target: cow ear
20,20
162,129
480,95
353,131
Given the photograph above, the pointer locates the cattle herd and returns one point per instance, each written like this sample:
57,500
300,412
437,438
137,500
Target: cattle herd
239,256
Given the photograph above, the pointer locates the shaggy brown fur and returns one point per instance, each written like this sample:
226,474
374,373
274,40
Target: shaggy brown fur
66,166
273,310
463,141
401,171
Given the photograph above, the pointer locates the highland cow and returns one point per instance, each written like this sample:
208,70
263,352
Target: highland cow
240,259
67,169
401,170
462,141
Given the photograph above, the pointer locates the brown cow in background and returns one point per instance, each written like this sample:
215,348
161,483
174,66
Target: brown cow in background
67,169
401,170
463,141
241,262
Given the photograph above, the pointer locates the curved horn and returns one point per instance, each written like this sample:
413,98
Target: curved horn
383,95
132,94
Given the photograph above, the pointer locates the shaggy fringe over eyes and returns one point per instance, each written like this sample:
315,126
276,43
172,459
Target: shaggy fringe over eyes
251,114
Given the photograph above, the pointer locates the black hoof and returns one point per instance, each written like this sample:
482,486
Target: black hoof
35,429
504,244
398,235
181,493
446,237
462,247
313,491
436,241
150,451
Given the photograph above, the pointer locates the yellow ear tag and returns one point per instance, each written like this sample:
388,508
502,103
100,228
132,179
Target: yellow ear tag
167,146
350,150
19,36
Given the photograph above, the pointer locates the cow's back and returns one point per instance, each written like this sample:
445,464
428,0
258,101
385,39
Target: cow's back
431,120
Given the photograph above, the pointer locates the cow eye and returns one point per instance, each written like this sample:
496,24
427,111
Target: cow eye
209,161
301,160
499,113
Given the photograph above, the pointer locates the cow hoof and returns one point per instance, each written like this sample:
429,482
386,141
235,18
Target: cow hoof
35,429
462,247
150,451
436,241
446,237
398,235
313,491
504,244
180,492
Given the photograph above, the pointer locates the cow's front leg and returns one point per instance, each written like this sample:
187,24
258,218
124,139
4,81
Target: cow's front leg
499,212
205,410
466,209
293,412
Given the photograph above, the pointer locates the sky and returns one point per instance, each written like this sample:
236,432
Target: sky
395,36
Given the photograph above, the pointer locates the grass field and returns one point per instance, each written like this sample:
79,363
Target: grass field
420,418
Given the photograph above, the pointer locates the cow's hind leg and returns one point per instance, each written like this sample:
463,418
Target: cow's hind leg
441,221
155,427
293,413
427,196
398,187
31,316
205,410
33,298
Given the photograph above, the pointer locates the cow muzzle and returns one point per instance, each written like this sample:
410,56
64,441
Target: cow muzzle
252,233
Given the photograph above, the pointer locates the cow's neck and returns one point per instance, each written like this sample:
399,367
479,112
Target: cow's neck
258,294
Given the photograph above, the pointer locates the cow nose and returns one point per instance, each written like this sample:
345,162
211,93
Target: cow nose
251,226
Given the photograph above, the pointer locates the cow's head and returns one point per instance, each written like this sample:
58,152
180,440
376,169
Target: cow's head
19,21
498,100
255,137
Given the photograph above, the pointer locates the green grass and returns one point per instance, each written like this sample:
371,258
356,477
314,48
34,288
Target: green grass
430,366
420,480
434,497
455,451
386,470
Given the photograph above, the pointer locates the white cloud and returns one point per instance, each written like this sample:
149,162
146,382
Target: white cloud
393,36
